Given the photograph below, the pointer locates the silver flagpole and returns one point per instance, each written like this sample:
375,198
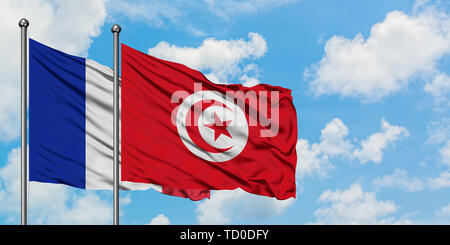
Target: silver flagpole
23,23
116,30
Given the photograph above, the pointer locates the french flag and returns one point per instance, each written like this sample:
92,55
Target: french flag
71,123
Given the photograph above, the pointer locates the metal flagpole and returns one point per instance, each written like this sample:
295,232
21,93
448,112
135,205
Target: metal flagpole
116,30
23,23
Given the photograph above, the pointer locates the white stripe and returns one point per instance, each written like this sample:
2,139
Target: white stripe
99,130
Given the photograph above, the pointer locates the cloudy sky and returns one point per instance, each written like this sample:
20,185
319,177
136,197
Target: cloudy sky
370,82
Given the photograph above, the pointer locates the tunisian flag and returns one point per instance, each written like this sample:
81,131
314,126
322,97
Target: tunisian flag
179,130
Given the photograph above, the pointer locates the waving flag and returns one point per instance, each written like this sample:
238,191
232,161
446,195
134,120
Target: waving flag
182,131
71,123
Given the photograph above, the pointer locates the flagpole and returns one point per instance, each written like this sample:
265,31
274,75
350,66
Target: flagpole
23,24
115,29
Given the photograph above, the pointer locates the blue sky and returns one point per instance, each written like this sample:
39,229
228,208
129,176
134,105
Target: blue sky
370,82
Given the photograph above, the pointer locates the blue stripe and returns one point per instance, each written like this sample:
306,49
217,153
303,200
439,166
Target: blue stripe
57,116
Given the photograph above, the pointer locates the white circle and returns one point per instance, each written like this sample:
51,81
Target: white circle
237,128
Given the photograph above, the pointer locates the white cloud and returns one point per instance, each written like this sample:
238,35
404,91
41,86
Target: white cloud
444,211
439,86
419,5
250,74
332,138
354,206
179,13
402,220
439,131
230,206
228,8
386,61
220,60
160,219
311,160
443,180
372,148
399,180
66,25
440,182
10,183
125,199
151,12
49,203
87,208
249,81
316,158
445,153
